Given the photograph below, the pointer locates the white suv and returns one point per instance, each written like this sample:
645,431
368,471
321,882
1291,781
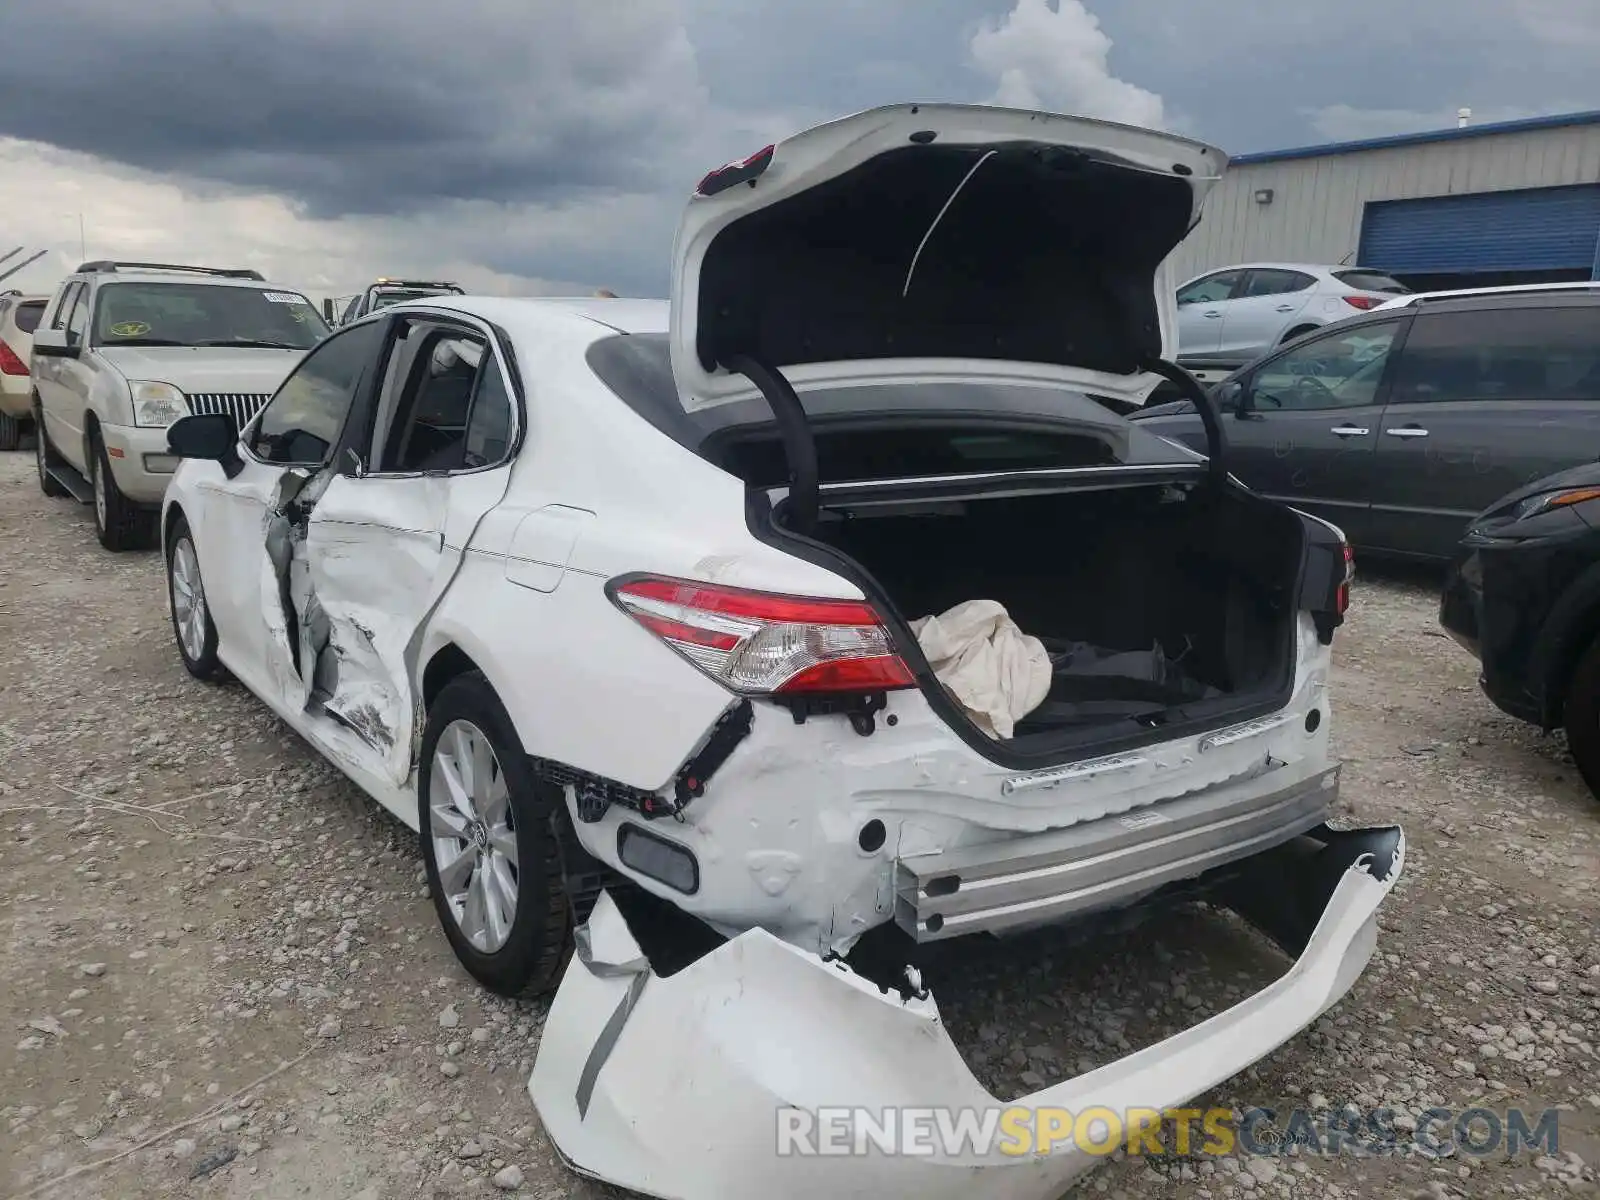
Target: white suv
618,605
125,349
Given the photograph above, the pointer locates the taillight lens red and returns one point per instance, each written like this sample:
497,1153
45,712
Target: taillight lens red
1364,303
759,643
1343,598
10,364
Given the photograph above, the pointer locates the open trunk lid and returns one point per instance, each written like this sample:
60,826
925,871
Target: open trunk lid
923,242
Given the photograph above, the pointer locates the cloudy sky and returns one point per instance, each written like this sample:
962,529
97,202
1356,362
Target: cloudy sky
546,145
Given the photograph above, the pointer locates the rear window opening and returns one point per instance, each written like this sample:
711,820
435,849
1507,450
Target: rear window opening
28,314
892,450
1372,281
885,431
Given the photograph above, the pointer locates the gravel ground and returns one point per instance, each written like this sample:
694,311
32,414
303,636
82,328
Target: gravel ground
221,976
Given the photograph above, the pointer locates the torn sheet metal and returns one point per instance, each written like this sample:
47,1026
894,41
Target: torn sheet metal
354,569
707,1057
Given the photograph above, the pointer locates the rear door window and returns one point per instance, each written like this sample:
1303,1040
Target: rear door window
28,314
1277,283
1542,354
444,405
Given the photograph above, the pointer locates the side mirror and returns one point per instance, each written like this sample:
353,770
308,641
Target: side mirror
1228,396
211,436
52,343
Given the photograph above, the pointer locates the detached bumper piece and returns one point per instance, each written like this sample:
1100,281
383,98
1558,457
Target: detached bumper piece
672,1086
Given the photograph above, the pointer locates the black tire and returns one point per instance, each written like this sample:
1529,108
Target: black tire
119,523
539,942
1581,715
10,432
204,664
1297,331
44,455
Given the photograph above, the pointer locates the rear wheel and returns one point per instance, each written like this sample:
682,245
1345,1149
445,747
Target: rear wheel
118,522
1582,717
488,846
44,457
10,432
1294,333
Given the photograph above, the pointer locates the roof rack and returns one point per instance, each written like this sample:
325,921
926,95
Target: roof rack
384,281
106,265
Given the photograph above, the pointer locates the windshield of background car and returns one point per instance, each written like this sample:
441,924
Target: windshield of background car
204,314
384,299
891,430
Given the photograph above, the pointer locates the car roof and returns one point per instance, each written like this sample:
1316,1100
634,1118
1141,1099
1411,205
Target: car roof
1579,287
1470,302
1327,268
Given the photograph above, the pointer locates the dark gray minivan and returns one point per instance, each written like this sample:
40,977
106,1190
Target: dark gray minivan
1401,425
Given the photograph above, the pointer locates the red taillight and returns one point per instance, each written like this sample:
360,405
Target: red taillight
757,643
10,364
734,173
1364,303
1342,600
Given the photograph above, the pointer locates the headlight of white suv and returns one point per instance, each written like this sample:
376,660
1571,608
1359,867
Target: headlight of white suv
157,404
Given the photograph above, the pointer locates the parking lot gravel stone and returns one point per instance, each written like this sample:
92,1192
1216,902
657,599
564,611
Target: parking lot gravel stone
220,975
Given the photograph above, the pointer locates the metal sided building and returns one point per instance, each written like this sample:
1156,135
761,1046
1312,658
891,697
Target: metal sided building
1515,202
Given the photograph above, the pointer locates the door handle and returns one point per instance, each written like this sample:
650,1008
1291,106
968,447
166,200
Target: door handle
1213,313
1350,430
1407,431
1285,308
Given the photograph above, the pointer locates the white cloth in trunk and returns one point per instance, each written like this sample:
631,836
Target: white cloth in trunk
997,672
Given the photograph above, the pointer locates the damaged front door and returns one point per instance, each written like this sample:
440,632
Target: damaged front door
385,533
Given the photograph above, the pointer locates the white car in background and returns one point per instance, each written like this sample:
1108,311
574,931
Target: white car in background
617,605
1232,316
19,316
125,349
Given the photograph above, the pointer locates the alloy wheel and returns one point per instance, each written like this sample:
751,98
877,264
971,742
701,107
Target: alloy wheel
101,502
188,600
474,836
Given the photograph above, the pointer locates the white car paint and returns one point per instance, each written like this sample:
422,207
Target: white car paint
508,565
827,152
711,1056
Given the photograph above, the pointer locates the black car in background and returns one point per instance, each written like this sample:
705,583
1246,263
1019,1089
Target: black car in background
1401,425
1523,594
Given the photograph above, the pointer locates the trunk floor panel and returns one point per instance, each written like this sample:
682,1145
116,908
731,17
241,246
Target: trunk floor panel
1147,599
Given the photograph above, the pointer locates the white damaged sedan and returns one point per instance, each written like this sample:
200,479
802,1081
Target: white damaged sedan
618,604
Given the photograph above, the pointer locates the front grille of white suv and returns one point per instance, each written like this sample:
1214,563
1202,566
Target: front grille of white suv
243,406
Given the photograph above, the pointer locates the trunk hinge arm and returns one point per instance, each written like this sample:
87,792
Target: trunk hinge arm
799,447
1193,392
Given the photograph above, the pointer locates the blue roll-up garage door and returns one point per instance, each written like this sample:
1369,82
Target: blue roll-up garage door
1532,229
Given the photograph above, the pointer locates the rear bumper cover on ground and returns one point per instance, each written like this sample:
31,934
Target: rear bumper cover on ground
672,1086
